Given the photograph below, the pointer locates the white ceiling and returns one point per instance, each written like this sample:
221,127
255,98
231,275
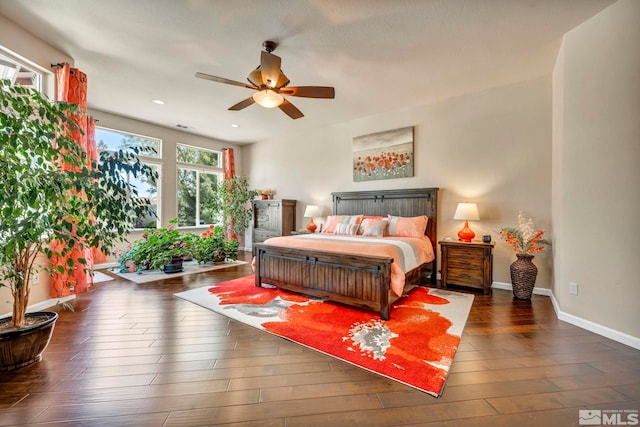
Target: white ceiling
380,55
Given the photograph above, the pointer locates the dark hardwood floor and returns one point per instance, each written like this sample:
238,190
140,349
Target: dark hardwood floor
134,355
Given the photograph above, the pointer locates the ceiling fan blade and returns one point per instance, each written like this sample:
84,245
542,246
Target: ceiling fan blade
290,110
270,68
309,91
223,80
242,104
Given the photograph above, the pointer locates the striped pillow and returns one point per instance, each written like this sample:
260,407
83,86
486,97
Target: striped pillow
348,229
333,220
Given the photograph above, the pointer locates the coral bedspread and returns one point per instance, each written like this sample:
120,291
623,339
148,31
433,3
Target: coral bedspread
407,252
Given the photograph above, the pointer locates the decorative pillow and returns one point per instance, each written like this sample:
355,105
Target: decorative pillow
333,220
374,227
407,226
349,229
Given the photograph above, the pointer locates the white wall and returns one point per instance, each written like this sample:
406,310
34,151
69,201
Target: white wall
36,53
596,194
492,147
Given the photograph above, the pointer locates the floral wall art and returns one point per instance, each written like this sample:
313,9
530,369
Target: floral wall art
383,155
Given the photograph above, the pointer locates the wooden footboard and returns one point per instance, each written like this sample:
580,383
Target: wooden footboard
356,280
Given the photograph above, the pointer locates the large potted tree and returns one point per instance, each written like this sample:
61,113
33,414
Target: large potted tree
53,199
231,199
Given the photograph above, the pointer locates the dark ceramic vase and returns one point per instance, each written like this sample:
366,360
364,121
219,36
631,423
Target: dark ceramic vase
523,276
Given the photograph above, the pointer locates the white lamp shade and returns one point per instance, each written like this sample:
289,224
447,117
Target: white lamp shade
311,211
268,98
467,211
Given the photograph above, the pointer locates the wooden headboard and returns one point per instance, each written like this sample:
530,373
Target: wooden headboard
410,202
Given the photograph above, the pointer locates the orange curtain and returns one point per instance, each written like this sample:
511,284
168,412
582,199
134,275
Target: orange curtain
229,163
229,167
71,86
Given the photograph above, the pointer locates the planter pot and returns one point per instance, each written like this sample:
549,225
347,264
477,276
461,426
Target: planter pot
25,346
523,276
131,266
174,266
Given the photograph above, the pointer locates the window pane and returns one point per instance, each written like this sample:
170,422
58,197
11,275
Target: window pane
19,74
107,139
187,190
148,189
197,156
208,184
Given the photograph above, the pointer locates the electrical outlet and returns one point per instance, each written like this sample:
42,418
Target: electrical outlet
573,288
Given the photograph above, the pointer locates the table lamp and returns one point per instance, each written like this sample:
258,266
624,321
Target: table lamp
466,212
309,212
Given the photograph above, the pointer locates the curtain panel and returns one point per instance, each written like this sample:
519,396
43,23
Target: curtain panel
71,86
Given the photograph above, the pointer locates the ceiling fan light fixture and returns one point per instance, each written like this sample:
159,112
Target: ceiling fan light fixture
268,98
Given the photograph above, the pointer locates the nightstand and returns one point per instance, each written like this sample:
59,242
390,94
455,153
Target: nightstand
297,232
467,264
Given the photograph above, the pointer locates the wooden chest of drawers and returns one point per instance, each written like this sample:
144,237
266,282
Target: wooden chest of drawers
467,264
273,218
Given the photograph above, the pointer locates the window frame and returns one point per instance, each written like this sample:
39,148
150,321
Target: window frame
198,169
21,66
157,162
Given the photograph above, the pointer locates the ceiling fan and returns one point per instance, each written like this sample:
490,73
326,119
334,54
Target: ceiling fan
271,84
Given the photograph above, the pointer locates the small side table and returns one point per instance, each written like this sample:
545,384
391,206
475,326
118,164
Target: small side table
467,264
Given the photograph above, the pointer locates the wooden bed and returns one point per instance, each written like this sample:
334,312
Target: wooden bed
353,279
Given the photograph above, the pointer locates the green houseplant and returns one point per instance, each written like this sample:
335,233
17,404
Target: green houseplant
232,201
50,191
156,248
212,246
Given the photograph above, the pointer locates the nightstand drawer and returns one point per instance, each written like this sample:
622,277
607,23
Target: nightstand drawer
465,253
468,263
459,276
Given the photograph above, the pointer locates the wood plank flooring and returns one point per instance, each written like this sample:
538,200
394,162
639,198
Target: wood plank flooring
134,355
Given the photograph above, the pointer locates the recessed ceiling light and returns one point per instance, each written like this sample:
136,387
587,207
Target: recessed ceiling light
158,101
235,126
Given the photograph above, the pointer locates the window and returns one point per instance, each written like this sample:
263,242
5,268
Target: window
112,140
198,174
18,74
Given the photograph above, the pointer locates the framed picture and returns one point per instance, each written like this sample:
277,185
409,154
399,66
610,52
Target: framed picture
383,155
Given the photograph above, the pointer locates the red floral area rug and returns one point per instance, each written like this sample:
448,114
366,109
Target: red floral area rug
415,347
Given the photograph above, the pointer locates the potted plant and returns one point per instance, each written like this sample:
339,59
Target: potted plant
158,249
53,196
212,246
525,241
232,199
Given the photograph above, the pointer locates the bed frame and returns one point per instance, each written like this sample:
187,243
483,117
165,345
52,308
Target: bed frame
353,279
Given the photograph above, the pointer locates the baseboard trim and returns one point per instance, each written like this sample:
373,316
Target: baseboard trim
105,265
508,287
596,328
42,305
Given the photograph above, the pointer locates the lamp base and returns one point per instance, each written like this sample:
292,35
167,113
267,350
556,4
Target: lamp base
311,227
466,234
